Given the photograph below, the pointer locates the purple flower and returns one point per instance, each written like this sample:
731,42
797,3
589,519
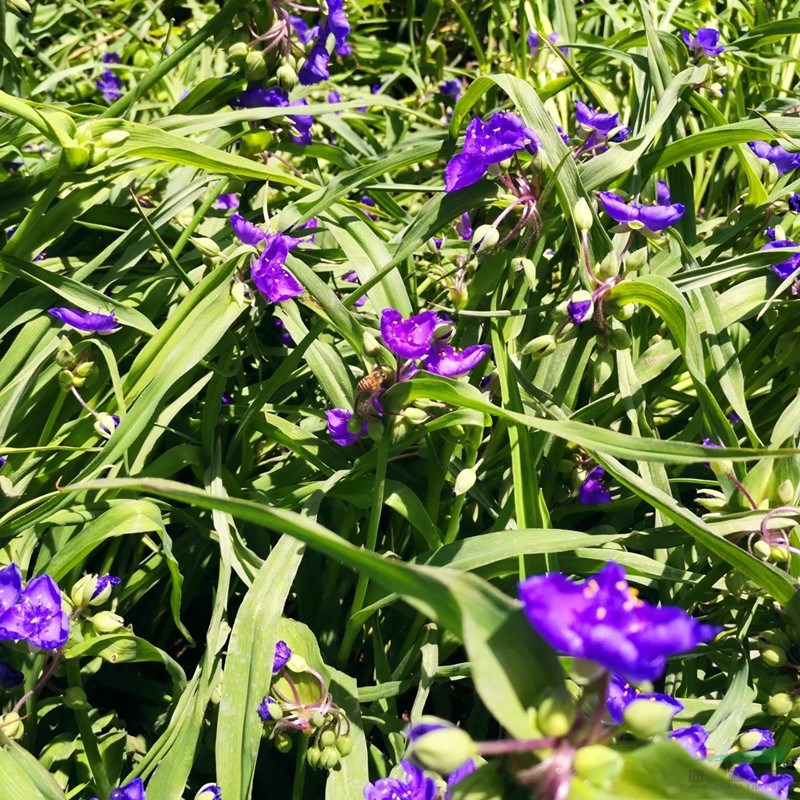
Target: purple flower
449,362
662,194
635,215
705,41
9,677
413,785
464,227
283,334
601,620
580,307
37,616
409,338
109,85
593,490
282,655
692,739
784,269
600,123
209,792
106,424
334,96
246,232
269,275
339,427
111,58
467,768
315,67
103,582
710,443
734,417
794,203
766,738
452,88
534,42
131,791
621,694
87,322
774,784
227,201
783,160
258,97
488,143
366,200
10,587
304,32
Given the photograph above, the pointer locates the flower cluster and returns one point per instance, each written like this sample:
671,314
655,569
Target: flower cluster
34,613
602,620
268,271
487,143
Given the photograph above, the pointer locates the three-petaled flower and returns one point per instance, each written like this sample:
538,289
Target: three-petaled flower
488,143
636,215
781,159
705,42
339,427
601,620
86,321
774,784
600,125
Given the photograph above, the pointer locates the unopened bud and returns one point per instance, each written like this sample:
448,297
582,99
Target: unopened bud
21,7
255,67
540,347
415,415
313,757
237,53
580,306
106,424
780,704
750,740
65,378
773,656
85,369
762,550
620,339
344,744
484,238
111,139
465,480
209,791
329,758
107,622
603,367
317,719
608,267
75,698
779,554
296,663
443,750
76,157
635,260
598,764
555,715
287,77
208,247
459,295
283,742
786,492
645,718
82,591
582,214
11,725
771,176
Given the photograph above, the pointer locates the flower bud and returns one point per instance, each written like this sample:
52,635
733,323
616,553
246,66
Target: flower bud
580,306
433,245
761,549
540,347
484,238
296,663
620,340
76,157
603,367
237,53
344,744
21,7
11,725
255,67
416,416
459,295
645,718
465,480
635,260
582,215
313,757
779,554
555,715
64,355
85,369
106,424
111,139
329,758
317,719
107,622
443,750
327,738
750,740
786,492
287,77
608,267
75,698
283,742
773,656
780,704
208,247
372,348
65,378
771,176
82,591
598,764
209,791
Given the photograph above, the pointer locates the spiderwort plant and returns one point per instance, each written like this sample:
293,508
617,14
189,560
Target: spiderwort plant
704,42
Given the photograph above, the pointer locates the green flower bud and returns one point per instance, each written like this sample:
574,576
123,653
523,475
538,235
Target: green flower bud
329,759
11,725
431,247
312,757
582,215
786,492
283,742
522,264
555,715
779,554
443,750
111,139
598,765
735,582
77,381
208,247
237,53
65,378
107,622
75,698
416,416
749,741
620,340
465,480
646,718
327,738
287,77
771,176
105,425
82,590
296,663
459,295
21,8
608,267
540,347
780,704
65,357
85,369
761,549
773,656
484,238
776,637
603,367
344,744
255,67
635,260
76,157
317,719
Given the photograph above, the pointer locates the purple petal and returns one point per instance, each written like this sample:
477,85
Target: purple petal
409,338
662,193
10,586
282,655
87,322
656,218
276,283
315,67
581,310
463,170
601,122
463,227
692,739
617,208
227,201
338,428
247,232
620,695
131,791
707,40
449,362
784,269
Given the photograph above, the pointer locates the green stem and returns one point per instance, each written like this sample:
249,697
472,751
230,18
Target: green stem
371,540
451,534
300,769
89,740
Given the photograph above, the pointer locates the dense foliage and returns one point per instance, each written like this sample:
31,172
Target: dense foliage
399,400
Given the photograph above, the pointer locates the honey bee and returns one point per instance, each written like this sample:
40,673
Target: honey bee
374,381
